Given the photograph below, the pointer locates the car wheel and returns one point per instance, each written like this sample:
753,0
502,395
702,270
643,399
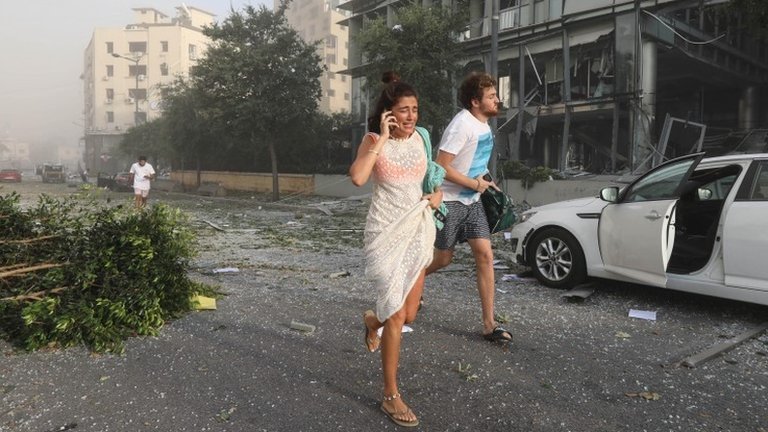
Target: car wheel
556,258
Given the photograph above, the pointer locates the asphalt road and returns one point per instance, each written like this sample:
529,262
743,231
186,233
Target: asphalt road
573,366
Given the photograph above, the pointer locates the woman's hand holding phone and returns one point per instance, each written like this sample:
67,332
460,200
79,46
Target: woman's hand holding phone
388,123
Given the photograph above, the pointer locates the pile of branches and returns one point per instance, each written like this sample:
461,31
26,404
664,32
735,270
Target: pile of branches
74,273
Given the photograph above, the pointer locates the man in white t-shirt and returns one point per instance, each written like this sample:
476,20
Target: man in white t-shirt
142,174
464,152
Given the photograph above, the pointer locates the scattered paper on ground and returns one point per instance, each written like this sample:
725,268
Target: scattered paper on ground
226,270
507,236
646,315
514,277
622,335
204,303
406,329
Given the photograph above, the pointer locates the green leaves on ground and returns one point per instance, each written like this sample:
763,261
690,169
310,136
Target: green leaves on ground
111,272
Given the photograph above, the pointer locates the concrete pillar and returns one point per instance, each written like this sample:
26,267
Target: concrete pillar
644,114
749,108
649,77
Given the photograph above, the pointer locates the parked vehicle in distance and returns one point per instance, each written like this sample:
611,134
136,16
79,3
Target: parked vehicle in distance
51,173
690,224
10,175
123,182
120,182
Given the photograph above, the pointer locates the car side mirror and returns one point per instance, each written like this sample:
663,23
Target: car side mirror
704,194
610,194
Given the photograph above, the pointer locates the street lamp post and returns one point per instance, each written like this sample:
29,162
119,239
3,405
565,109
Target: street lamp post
136,87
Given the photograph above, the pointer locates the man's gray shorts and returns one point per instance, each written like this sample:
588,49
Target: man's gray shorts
463,222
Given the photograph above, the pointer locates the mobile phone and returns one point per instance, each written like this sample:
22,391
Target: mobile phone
487,177
439,215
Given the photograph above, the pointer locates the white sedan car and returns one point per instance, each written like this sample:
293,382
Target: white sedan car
691,224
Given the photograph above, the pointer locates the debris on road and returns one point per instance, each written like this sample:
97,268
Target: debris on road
642,314
580,291
302,327
724,347
204,303
645,395
214,226
515,278
339,274
226,270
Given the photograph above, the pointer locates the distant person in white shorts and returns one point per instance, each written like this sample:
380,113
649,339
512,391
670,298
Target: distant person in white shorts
142,174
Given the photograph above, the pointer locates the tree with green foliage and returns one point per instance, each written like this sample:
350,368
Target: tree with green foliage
261,78
424,49
194,125
149,139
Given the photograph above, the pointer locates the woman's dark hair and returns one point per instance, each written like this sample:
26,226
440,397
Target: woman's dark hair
393,90
472,87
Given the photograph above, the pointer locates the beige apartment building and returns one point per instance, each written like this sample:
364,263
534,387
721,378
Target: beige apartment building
124,68
317,20
14,153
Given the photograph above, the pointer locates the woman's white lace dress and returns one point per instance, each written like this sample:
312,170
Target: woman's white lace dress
399,230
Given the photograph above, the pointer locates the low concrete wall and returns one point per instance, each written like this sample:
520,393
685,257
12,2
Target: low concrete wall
556,190
250,182
540,194
341,186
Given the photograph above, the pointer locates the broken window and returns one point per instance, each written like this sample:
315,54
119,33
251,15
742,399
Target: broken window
625,56
574,6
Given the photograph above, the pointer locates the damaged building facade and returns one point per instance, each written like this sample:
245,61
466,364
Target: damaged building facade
610,86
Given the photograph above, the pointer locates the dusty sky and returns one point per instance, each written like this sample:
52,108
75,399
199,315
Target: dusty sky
41,94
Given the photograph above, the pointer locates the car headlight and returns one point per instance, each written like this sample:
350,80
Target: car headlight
527,215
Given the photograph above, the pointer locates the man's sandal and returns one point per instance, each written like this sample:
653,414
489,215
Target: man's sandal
499,334
370,344
398,416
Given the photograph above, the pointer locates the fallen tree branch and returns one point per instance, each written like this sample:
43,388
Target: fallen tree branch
27,241
214,226
30,269
35,295
13,266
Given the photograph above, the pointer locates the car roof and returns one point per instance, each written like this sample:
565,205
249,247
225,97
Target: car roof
736,157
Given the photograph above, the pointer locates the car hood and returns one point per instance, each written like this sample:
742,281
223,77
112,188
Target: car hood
586,204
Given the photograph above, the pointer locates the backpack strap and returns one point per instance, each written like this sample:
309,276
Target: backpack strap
427,143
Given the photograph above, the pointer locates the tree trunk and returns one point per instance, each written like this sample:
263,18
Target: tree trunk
275,183
198,171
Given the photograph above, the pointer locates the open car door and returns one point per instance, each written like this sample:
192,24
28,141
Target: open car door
637,232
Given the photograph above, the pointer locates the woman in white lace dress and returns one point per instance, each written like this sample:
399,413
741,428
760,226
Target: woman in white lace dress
399,230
